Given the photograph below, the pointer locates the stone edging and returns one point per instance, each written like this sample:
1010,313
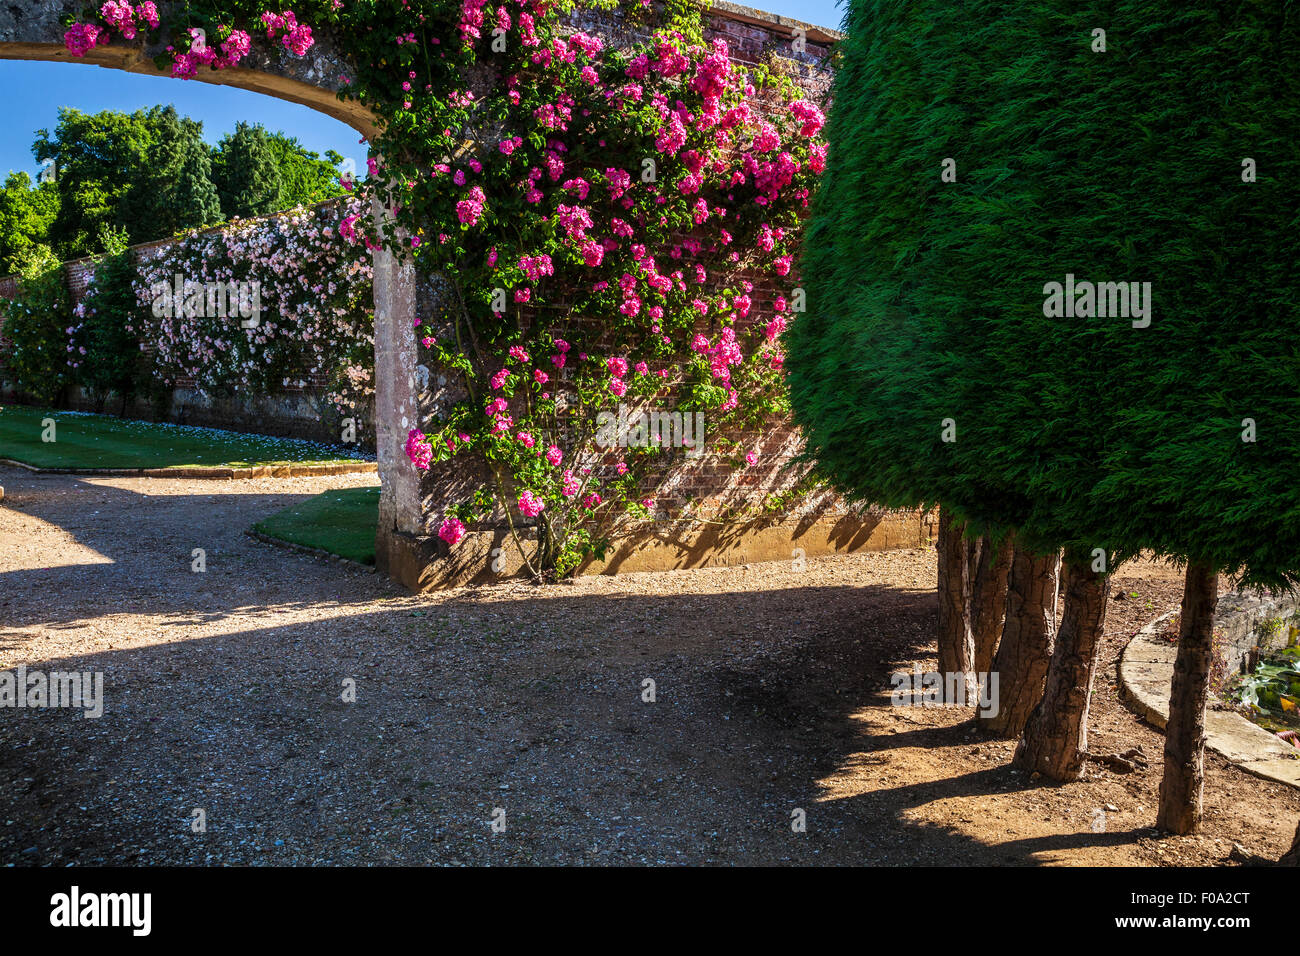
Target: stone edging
252,471
1146,671
314,552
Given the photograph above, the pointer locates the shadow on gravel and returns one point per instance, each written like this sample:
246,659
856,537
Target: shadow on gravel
529,702
146,565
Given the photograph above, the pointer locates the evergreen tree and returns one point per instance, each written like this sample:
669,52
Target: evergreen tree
246,172
177,192
306,178
1153,152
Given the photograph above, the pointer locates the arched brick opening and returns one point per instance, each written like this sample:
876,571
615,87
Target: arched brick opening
406,548
35,32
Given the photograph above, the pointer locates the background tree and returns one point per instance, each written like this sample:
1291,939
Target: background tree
306,177
246,172
112,363
147,172
150,174
100,158
26,213
32,328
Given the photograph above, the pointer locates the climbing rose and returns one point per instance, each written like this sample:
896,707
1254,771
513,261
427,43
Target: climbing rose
530,505
148,12
554,455
452,530
298,40
809,115
418,449
81,38
236,46
469,210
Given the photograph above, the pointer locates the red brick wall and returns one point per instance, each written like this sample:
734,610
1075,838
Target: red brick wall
711,487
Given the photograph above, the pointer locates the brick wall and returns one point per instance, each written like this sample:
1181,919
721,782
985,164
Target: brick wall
709,509
294,411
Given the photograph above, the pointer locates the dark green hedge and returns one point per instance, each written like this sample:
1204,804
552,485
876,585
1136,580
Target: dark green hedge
926,298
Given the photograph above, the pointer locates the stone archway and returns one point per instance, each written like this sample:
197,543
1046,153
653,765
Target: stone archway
35,32
406,548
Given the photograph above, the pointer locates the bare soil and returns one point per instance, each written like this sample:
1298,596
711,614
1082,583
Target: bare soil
223,694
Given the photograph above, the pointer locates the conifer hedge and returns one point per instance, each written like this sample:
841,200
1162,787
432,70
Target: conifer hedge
1162,152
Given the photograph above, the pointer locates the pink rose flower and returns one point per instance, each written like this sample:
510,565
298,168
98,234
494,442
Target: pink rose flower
452,530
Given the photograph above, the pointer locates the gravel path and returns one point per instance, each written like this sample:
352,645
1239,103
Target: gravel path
223,694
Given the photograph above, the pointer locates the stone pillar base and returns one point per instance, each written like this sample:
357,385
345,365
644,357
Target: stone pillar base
426,563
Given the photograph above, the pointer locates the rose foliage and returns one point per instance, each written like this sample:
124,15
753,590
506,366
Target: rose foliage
612,224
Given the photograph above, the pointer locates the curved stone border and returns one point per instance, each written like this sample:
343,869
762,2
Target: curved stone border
1146,671
314,552
252,471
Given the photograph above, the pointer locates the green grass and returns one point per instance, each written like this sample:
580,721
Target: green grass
101,441
340,522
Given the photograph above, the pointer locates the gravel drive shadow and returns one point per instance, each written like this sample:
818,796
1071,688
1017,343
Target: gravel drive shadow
224,694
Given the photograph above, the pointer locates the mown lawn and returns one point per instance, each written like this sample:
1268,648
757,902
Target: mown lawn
101,441
341,522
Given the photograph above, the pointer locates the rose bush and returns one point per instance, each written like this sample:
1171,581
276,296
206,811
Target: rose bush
612,224
316,308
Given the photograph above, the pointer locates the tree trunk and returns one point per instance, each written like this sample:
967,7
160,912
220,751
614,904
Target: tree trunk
988,602
1026,646
956,641
1056,734
1180,790
1292,856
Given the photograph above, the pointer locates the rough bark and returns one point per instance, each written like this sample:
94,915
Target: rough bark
1184,776
955,639
988,602
1055,742
1292,856
1026,645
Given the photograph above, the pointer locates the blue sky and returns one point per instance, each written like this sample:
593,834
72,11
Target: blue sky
37,90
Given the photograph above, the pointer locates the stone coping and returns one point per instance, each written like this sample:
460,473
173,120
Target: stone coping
1146,673
746,14
251,471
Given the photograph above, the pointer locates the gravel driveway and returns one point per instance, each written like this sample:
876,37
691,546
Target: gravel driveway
223,693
